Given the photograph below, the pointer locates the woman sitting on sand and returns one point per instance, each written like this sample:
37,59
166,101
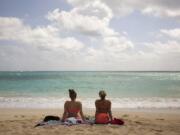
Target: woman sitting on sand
103,109
73,107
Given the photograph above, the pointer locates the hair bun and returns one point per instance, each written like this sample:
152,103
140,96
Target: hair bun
72,93
71,90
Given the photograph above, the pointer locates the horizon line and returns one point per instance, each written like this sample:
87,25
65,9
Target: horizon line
89,70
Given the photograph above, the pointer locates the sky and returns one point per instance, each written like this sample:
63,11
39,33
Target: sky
85,35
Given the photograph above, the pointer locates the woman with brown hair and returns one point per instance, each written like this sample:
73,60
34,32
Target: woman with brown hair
103,109
72,108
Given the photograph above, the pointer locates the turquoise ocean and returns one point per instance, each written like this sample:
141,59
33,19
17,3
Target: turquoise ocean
49,89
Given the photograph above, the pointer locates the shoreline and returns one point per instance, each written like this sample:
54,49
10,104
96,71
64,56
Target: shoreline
54,102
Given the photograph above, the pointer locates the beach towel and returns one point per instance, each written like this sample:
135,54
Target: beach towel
54,120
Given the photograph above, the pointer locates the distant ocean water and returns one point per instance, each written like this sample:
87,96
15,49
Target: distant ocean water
125,89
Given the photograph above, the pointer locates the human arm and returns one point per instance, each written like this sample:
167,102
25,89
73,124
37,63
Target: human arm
65,111
81,112
96,108
109,111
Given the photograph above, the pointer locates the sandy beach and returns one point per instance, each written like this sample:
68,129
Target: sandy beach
137,122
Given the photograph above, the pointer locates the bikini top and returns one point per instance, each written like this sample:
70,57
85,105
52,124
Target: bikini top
73,110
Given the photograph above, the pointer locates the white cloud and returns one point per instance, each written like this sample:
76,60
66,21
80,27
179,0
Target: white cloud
11,28
92,19
161,8
173,33
96,8
45,37
118,7
117,44
160,11
69,51
84,24
167,47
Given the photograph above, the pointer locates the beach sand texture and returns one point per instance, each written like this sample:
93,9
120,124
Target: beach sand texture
22,121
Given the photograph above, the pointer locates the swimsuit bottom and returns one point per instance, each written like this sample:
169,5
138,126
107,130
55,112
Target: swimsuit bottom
102,118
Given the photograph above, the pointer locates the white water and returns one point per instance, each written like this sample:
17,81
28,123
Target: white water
43,102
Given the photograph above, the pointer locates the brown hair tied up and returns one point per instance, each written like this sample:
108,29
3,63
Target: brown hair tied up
72,94
102,94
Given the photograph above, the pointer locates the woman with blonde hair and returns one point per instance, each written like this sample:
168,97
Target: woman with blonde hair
103,109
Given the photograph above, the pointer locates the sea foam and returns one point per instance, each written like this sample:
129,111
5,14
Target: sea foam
54,102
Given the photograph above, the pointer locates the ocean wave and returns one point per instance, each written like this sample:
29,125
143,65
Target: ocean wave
52,102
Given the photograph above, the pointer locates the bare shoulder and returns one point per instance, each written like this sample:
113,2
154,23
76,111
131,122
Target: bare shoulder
108,101
97,100
78,102
67,102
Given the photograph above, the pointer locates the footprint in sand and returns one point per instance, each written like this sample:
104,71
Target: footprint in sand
159,119
22,116
125,115
138,122
158,130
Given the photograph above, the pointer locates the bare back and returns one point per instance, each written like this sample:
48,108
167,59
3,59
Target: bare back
72,108
103,106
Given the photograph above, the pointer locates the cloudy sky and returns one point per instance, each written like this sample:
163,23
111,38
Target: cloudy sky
89,35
